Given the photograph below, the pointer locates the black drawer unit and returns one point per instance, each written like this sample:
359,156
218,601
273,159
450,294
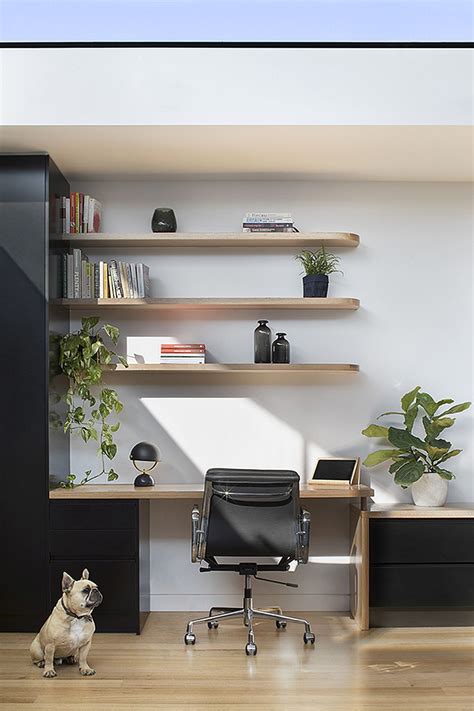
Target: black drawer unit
421,563
421,541
110,539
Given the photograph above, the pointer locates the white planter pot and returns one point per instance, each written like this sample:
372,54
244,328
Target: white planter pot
430,490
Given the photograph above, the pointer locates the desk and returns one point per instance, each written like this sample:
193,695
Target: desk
193,492
407,560
106,527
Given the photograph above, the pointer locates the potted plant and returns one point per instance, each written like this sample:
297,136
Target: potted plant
82,355
418,461
317,266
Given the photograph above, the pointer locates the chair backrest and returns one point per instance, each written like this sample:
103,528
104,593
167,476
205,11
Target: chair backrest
251,513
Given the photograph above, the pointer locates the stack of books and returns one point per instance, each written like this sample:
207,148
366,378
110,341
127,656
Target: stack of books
183,353
80,214
268,222
81,279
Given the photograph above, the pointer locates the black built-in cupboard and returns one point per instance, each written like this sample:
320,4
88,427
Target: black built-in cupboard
40,538
30,185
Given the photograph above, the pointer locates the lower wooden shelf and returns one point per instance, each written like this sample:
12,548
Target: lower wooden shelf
235,368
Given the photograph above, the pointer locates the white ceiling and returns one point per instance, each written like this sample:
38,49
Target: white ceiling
406,153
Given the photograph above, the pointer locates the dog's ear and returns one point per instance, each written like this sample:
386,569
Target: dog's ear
67,582
85,574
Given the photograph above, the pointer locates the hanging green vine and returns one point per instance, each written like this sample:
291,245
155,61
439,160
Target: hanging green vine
82,355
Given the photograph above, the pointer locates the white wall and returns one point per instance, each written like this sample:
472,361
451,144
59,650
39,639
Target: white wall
159,86
413,274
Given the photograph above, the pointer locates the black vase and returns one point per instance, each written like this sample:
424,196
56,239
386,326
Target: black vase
262,338
163,220
280,349
315,285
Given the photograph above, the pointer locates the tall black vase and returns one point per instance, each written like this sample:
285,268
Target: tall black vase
280,349
163,220
262,338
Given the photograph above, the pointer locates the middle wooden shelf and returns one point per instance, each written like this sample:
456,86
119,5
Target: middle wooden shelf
218,303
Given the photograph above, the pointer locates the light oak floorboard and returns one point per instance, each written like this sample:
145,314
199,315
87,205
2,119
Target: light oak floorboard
417,669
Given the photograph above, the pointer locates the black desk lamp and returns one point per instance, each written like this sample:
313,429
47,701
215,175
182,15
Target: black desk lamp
145,452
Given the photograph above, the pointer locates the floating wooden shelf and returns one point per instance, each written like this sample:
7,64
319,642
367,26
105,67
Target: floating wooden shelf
218,240
193,491
213,303
233,368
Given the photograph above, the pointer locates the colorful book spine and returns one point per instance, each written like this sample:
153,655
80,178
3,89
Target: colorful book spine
77,203
72,210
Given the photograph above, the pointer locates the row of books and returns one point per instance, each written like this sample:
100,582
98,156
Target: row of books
190,353
81,279
268,222
80,214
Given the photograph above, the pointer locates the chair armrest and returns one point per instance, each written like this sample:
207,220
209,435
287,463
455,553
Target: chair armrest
195,534
303,536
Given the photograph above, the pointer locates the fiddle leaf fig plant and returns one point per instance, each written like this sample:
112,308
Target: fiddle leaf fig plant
412,456
81,357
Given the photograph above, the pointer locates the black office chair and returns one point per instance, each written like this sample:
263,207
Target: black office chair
249,513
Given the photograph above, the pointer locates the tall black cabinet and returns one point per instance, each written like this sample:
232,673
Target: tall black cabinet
30,186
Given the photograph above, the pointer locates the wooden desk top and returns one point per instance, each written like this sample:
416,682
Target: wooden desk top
461,510
191,491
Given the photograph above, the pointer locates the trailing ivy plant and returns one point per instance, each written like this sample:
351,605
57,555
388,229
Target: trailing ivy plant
413,456
319,262
81,357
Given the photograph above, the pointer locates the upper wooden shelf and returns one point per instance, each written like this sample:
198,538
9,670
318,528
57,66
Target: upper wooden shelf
235,368
193,491
219,239
308,304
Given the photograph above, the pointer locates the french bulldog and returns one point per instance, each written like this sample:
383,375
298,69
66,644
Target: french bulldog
66,636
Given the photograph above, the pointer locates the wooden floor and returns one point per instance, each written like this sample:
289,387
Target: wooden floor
382,670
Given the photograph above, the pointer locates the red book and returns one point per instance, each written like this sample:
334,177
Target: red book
72,211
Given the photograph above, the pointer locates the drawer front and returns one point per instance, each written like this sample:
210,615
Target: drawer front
421,586
118,583
90,544
421,541
94,515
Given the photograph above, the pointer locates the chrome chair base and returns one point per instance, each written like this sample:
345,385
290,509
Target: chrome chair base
248,614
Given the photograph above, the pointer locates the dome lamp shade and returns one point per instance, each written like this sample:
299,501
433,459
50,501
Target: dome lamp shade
145,452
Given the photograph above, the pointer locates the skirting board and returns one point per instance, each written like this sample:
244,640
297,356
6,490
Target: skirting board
287,601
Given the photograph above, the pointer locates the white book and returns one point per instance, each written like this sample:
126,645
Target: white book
85,214
101,280
146,349
68,216
197,360
133,268
70,276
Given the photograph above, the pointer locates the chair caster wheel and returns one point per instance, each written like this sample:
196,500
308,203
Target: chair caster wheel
309,637
250,649
189,638
213,625
280,625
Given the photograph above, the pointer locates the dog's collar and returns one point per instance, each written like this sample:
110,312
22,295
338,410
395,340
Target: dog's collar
87,618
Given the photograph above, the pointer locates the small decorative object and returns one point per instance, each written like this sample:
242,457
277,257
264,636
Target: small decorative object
262,343
145,452
82,356
336,471
280,349
163,220
317,265
417,462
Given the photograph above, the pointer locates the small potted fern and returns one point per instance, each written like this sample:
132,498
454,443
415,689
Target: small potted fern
317,266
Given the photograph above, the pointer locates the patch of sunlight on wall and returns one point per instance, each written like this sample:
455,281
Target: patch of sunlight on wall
228,432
